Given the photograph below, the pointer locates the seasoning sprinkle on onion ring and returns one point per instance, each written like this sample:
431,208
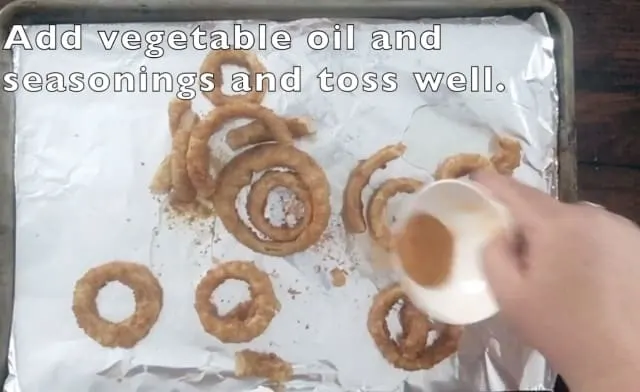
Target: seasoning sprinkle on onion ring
146,291
444,346
213,64
352,206
198,155
255,132
377,208
238,173
247,320
257,204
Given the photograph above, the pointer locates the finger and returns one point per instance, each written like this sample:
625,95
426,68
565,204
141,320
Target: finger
502,267
526,204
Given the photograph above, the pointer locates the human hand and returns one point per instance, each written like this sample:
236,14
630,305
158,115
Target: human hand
567,278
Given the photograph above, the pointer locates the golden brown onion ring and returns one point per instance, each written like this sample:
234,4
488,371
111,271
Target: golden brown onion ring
198,155
171,173
146,291
444,346
241,311
213,64
182,191
352,206
461,165
251,363
247,320
415,330
238,173
508,155
255,132
377,208
161,182
257,204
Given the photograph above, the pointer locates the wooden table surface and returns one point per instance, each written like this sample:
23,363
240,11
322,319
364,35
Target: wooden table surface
607,69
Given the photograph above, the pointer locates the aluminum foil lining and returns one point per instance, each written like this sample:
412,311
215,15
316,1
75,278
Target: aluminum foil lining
84,161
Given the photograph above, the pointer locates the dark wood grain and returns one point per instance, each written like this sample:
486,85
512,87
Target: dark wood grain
607,75
617,188
607,69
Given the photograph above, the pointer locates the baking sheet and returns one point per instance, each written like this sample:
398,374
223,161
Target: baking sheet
84,161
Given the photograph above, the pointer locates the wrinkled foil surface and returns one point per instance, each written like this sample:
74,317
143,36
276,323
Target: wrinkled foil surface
84,161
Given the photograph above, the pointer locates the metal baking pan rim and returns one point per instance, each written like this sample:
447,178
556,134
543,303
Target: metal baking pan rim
96,11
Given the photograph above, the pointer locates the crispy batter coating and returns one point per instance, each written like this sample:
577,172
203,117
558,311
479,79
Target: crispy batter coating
171,177
257,204
161,182
241,311
251,363
255,132
238,173
444,346
247,320
415,329
213,64
146,291
198,155
352,206
184,119
508,155
461,165
377,208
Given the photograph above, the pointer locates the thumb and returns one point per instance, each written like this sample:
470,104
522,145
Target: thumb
501,267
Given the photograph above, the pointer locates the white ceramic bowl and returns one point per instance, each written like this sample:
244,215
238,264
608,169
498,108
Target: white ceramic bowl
473,218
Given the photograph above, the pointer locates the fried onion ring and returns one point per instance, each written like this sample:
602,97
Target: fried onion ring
508,155
415,330
161,182
247,320
238,173
198,155
255,132
146,291
171,173
377,208
171,177
352,206
213,64
444,346
257,204
241,311
461,165
184,119
251,363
